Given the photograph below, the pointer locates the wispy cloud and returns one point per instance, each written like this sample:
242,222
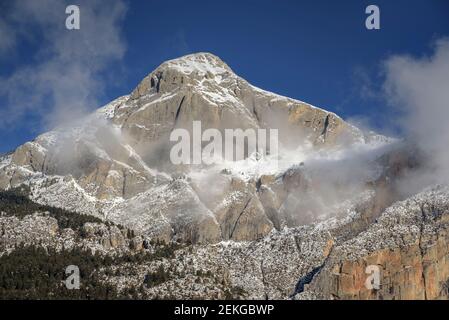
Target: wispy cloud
65,78
419,88
7,38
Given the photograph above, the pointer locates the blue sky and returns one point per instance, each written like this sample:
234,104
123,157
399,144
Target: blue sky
316,51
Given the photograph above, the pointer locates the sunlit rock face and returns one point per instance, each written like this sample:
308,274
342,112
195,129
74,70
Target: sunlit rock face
115,162
409,245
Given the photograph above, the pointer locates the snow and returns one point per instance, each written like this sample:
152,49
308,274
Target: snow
153,172
159,99
5,160
277,97
199,62
114,174
63,192
233,197
108,111
401,224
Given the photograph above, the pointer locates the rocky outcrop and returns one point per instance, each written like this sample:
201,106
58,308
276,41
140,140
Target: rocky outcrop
40,229
167,212
241,214
30,155
409,246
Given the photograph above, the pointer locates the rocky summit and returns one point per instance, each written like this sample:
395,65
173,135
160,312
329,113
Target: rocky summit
305,229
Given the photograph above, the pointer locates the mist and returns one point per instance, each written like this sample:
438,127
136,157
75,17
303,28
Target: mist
418,87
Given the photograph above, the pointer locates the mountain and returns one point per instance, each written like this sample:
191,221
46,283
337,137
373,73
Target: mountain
113,163
305,228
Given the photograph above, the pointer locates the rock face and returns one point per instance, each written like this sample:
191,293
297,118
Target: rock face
408,244
115,163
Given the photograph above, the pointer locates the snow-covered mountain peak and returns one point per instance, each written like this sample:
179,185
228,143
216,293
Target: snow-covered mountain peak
202,62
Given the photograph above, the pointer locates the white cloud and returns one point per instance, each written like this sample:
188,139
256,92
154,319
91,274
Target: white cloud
419,88
65,79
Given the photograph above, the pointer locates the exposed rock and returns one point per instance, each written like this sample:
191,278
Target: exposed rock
409,244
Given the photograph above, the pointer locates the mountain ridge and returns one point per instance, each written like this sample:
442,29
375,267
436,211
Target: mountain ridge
307,229
117,156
